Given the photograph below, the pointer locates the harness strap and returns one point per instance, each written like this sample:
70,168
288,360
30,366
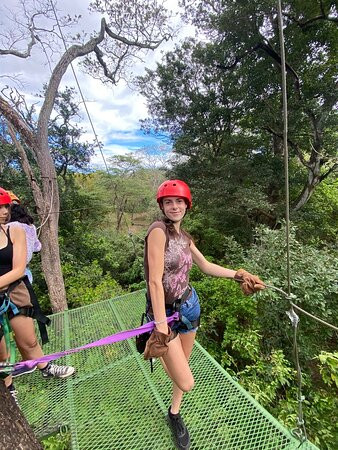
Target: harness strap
190,324
42,320
7,306
34,311
175,306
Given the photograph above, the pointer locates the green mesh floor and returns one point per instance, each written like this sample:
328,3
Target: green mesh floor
114,402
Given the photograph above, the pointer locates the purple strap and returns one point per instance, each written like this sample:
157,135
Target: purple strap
22,366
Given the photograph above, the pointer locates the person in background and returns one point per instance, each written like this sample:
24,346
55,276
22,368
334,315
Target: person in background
168,258
14,198
18,299
21,218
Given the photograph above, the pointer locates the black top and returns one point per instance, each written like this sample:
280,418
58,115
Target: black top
6,255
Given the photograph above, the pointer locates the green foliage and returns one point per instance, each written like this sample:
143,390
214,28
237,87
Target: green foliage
229,326
268,377
210,241
252,336
60,441
320,412
87,284
329,368
317,222
313,280
66,147
219,99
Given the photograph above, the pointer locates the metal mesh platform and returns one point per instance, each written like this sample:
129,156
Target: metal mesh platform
114,402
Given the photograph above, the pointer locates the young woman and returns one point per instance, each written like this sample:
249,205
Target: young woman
14,285
169,254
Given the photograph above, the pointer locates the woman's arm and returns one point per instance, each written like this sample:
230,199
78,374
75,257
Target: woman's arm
249,283
18,238
209,268
156,246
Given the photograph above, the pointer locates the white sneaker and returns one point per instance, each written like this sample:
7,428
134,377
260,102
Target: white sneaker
14,394
52,370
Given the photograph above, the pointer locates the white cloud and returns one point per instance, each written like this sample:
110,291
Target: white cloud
115,111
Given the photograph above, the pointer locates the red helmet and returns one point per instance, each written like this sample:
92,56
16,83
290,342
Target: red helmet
5,199
174,188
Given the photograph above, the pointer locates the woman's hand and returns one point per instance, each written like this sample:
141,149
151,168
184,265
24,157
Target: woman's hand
249,283
157,344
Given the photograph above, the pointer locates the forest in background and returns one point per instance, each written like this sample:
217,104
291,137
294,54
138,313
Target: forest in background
219,102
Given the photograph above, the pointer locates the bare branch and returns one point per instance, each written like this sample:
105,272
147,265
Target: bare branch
110,75
14,118
24,54
68,57
151,46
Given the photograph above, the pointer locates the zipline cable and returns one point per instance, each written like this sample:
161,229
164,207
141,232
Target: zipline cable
79,88
300,432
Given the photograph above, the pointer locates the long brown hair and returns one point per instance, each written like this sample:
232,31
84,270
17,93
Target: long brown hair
171,229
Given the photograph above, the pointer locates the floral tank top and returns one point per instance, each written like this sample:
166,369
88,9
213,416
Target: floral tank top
177,262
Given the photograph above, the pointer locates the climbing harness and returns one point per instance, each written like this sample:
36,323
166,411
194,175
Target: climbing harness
176,306
171,308
33,311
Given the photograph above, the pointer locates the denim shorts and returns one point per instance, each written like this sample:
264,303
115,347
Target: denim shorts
190,309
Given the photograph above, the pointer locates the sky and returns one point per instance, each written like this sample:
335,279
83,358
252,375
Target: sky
115,111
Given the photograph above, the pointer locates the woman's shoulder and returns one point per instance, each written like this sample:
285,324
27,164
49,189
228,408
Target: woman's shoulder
16,224
157,224
15,229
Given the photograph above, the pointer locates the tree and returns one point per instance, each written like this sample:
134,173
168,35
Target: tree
126,30
15,430
220,101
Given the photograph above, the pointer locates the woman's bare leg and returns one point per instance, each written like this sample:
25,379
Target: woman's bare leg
175,363
25,337
187,340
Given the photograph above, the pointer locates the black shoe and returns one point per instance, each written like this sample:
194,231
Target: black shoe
179,430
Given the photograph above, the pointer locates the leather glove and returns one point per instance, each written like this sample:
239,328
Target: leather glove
249,283
157,344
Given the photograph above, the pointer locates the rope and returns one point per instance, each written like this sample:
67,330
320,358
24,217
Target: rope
300,432
314,317
79,88
292,296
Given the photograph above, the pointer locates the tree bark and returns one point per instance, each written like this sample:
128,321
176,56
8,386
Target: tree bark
15,430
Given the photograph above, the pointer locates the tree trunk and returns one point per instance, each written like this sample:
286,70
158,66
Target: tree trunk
46,201
15,430
50,253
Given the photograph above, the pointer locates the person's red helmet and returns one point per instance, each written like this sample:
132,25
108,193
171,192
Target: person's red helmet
174,188
5,198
